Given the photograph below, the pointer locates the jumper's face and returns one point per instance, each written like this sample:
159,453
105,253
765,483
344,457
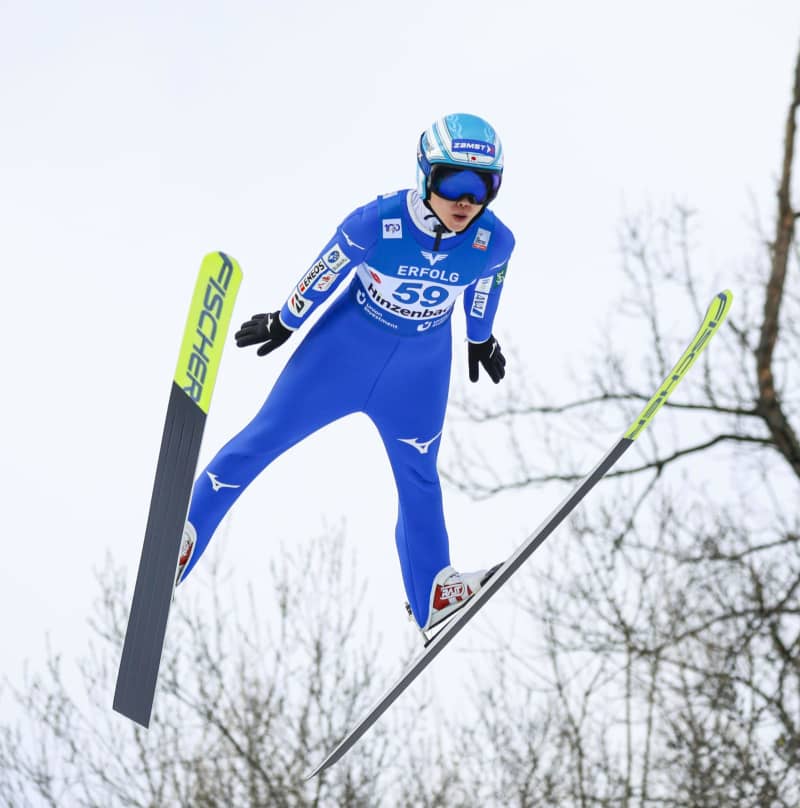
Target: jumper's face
455,216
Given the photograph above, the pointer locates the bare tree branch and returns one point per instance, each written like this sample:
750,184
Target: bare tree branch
769,404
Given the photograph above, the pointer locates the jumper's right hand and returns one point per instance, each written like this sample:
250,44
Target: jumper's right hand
489,355
266,328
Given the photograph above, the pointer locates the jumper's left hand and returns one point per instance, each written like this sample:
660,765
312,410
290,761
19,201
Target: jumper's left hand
489,355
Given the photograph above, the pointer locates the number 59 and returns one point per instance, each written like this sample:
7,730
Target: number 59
410,292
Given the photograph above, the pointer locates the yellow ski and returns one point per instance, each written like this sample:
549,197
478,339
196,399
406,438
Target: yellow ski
190,396
716,314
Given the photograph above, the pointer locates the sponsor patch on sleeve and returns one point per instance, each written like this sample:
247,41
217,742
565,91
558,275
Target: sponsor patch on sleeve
325,280
298,305
310,277
335,258
484,285
500,277
479,305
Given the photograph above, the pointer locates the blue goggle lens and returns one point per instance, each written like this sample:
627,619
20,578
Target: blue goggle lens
456,183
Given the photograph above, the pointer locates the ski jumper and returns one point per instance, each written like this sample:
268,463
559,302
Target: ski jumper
384,348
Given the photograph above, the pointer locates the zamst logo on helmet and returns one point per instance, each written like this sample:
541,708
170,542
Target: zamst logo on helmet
474,148
460,141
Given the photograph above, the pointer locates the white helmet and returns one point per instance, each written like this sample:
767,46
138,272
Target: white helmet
456,142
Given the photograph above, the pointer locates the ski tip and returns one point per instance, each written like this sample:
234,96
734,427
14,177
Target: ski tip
723,301
311,775
334,756
210,314
715,315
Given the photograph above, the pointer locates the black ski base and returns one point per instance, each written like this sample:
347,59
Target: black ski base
155,581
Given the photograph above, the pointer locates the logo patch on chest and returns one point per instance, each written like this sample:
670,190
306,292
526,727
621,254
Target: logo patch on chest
482,239
433,258
392,228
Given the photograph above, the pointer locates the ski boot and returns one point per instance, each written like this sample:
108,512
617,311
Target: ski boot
450,592
188,543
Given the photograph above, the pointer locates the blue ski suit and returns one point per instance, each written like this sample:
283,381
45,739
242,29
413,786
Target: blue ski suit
384,348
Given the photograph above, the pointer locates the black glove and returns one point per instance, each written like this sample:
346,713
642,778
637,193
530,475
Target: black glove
490,356
266,328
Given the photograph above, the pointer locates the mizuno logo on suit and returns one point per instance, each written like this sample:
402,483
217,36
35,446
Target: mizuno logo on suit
421,446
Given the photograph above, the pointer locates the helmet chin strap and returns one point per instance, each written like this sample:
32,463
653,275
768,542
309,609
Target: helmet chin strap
427,204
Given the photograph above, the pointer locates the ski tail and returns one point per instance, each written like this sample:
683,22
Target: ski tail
190,397
714,317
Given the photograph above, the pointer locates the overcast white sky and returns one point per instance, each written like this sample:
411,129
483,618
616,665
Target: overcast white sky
135,138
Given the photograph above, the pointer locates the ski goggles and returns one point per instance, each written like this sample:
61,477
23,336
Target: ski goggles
453,184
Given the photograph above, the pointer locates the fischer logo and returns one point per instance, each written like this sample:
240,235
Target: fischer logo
206,329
